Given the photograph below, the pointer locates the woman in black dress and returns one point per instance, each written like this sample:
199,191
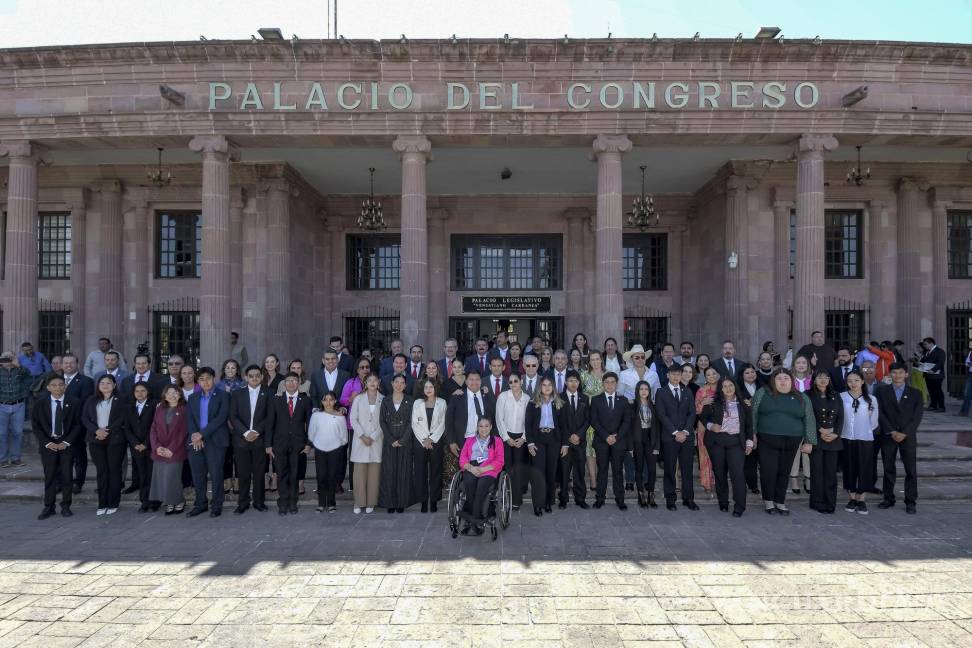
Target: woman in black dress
829,412
395,488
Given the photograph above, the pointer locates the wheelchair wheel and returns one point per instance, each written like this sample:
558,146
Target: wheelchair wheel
504,500
455,504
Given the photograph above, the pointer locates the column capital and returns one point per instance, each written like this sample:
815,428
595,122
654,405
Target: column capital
741,183
814,143
106,186
416,144
912,184
572,214
24,150
215,146
610,144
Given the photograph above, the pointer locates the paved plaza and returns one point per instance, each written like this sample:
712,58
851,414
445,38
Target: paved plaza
574,578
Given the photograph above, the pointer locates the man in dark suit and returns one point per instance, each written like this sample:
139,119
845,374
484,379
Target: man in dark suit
329,377
899,413
56,421
399,366
208,440
573,442
845,365
675,406
142,373
139,414
286,438
496,383
451,349
465,409
501,348
249,410
935,377
558,371
479,360
609,418
727,365
345,361
78,387
387,368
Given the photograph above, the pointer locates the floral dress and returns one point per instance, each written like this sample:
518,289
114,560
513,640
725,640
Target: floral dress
706,476
592,386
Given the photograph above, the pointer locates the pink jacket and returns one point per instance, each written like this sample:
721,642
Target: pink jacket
495,460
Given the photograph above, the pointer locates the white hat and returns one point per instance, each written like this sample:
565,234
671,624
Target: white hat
635,349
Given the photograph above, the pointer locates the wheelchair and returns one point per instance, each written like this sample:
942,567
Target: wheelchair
500,504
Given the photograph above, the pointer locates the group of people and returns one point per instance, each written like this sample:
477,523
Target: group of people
559,422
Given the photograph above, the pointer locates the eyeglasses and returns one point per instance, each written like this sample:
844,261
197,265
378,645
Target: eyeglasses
514,382
637,357
531,366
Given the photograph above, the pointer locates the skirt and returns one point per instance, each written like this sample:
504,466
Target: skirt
166,483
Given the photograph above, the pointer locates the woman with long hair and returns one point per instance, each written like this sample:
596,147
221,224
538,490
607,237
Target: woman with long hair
645,443
802,382
395,491
271,372
705,396
229,381
746,387
428,426
828,410
702,362
328,433
580,343
728,439
352,387
592,385
544,424
784,423
546,361
611,360
103,418
511,406
430,371
857,435
167,439
514,359
366,443
575,361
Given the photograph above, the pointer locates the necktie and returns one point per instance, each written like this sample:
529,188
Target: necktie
414,370
449,368
141,378
479,406
732,367
560,383
141,406
573,402
497,389
611,402
678,394
58,420
530,386
482,363
290,405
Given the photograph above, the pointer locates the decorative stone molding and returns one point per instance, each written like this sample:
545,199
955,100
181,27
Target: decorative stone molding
577,213
610,144
25,150
913,184
812,143
741,183
215,146
419,144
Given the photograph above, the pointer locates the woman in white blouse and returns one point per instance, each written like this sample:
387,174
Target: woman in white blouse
857,433
428,425
511,424
328,433
366,445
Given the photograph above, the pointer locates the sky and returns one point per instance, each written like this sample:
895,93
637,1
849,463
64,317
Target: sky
29,23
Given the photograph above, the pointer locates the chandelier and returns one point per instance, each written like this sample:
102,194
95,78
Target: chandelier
159,177
371,217
858,175
642,208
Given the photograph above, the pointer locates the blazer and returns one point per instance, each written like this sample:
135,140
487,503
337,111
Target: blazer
458,415
386,368
576,421
443,368
675,416
116,421
386,385
422,427
216,430
120,375
837,378
532,424
138,428
286,432
654,430
363,424
472,362
346,363
719,364
171,437
607,421
318,384
488,383
239,415
494,460
156,383
714,413
828,413
903,416
551,373
937,357
80,389
43,423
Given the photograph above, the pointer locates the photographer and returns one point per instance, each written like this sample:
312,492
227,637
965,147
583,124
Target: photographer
15,383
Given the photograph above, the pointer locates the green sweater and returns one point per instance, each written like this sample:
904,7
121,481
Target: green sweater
784,415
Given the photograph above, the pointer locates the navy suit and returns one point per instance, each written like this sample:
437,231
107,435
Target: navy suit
473,362
57,464
675,416
80,389
345,363
610,421
837,377
215,436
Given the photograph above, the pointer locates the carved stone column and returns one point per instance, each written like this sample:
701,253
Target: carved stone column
911,197
278,267
737,299
577,220
808,288
135,260
939,267
20,298
215,312
438,280
107,310
781,270
609,299
79,211
237,204
414,291
881,255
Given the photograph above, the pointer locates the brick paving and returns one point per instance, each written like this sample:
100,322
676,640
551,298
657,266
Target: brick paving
574,578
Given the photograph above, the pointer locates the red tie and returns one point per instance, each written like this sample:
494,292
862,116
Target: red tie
497,390
290,405
414,371
482,363
449,368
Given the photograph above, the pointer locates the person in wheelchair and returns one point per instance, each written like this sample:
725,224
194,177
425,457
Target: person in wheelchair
481,461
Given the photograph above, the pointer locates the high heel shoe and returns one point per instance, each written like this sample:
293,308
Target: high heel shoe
642,500
651,500
795,485
538,511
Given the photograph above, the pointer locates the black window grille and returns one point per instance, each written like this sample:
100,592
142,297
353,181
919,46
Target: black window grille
644,262
521,262
54,245
647,331
54,332
175,333
179,245
843,244
550,330
374,262
960,245
845,327
371,328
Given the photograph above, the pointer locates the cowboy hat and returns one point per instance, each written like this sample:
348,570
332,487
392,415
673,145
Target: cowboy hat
635,349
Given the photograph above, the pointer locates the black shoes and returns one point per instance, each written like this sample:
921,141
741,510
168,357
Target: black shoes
598,504
131,489
583,505
66,511
433,506
547,509
76,489
642,500
911,509
772,511
691,505
143,508
215,513
629,486
651,500
425,507
851,506
46,513
401,510
197,511
538,511
241,509
885,504
562,506
622,506
670,505
260,507
784,512
724,508
737,514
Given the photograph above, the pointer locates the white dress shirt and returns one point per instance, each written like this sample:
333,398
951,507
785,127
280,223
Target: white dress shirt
54,402
629,379
511,414
560,380
330,379
254,394
472,417
612,364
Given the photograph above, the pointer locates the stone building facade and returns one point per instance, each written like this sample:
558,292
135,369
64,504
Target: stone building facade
747,145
